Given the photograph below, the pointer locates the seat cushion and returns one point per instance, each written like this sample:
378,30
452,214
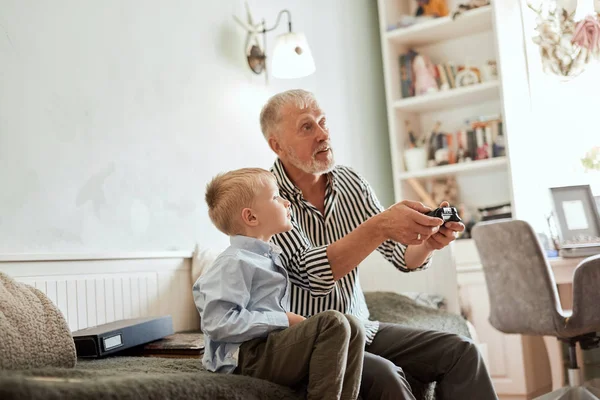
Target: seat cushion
33,331
137,378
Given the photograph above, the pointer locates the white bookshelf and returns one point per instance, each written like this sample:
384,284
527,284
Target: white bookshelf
488,33
446,99
468,39
471,167
445,28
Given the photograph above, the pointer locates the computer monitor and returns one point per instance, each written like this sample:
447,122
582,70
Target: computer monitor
576,212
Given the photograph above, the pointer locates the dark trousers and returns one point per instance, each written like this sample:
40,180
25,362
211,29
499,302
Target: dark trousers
327,349
452,361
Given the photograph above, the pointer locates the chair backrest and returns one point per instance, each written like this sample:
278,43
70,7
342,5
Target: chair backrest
521,288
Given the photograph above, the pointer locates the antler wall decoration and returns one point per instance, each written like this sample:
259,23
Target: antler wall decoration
255,51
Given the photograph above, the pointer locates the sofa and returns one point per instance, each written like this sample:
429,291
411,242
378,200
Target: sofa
175,378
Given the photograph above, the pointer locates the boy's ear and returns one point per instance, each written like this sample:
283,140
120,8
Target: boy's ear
274,144
249,217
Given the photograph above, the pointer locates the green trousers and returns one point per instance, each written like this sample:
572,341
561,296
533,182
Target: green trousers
326,350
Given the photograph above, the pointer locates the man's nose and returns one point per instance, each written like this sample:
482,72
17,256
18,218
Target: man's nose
322,134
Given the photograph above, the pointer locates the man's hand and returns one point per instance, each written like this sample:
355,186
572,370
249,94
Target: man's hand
405,222
294,319
446,234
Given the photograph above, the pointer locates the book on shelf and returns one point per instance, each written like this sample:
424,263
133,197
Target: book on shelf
480,139
407,85
404,90
445,74
450,74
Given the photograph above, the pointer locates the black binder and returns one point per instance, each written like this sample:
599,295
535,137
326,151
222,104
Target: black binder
106,339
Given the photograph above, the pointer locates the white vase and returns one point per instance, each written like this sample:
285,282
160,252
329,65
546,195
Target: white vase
569,5
415,158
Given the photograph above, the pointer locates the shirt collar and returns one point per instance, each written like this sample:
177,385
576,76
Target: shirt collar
285,183
253,245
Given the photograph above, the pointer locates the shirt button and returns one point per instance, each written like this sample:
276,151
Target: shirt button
266,254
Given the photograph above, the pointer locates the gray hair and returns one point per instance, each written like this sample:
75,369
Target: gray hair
270,116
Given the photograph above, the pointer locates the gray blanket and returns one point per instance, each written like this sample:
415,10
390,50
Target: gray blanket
33,332
162,378
129,378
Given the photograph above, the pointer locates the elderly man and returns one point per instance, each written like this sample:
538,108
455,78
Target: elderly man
337,223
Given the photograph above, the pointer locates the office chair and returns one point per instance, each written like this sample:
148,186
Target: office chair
524,298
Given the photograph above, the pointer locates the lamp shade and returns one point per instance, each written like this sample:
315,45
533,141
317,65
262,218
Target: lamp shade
292,57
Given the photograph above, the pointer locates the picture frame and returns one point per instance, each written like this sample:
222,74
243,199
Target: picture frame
576,212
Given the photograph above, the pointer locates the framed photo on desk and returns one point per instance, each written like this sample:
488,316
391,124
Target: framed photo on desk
576,212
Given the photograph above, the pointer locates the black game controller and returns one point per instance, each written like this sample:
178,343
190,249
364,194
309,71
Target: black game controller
445,213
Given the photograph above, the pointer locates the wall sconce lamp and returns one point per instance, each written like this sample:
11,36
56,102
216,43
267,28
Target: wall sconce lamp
292,57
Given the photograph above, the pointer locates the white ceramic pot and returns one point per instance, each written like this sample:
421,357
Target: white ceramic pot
415,159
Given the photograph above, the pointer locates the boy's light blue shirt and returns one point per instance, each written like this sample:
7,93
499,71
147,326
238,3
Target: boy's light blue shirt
244,295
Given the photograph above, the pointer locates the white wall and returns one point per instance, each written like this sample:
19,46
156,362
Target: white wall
115,114
563,126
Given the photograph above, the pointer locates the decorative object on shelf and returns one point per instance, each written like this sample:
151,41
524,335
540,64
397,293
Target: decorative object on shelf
412,138
566,45
408,20
445,189
292,57
424,73
467,76
499,211
433,8
591,161
424,196
471,5
415,157
489,71
432,141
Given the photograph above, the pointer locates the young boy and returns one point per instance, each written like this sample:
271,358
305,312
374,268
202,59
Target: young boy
243,298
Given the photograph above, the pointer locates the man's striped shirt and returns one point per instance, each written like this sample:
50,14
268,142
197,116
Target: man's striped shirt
349,201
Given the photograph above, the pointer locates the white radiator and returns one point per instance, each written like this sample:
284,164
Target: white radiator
92,290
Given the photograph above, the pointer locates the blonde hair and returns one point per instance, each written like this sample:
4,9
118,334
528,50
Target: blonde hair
270,116
228,193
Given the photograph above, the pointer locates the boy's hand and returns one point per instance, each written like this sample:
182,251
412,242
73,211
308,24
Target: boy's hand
294,318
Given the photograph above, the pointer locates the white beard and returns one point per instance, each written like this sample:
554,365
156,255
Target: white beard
313,166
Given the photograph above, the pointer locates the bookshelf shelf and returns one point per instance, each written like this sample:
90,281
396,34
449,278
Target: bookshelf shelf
455,169
450,98
441,29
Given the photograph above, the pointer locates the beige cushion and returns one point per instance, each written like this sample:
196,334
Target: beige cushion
202,260
33,332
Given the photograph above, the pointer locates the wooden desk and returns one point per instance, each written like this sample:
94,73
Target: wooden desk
563,268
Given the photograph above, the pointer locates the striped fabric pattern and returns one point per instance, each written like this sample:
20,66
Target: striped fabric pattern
349,201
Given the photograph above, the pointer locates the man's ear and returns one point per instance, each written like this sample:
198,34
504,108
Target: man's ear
248,217
274,144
